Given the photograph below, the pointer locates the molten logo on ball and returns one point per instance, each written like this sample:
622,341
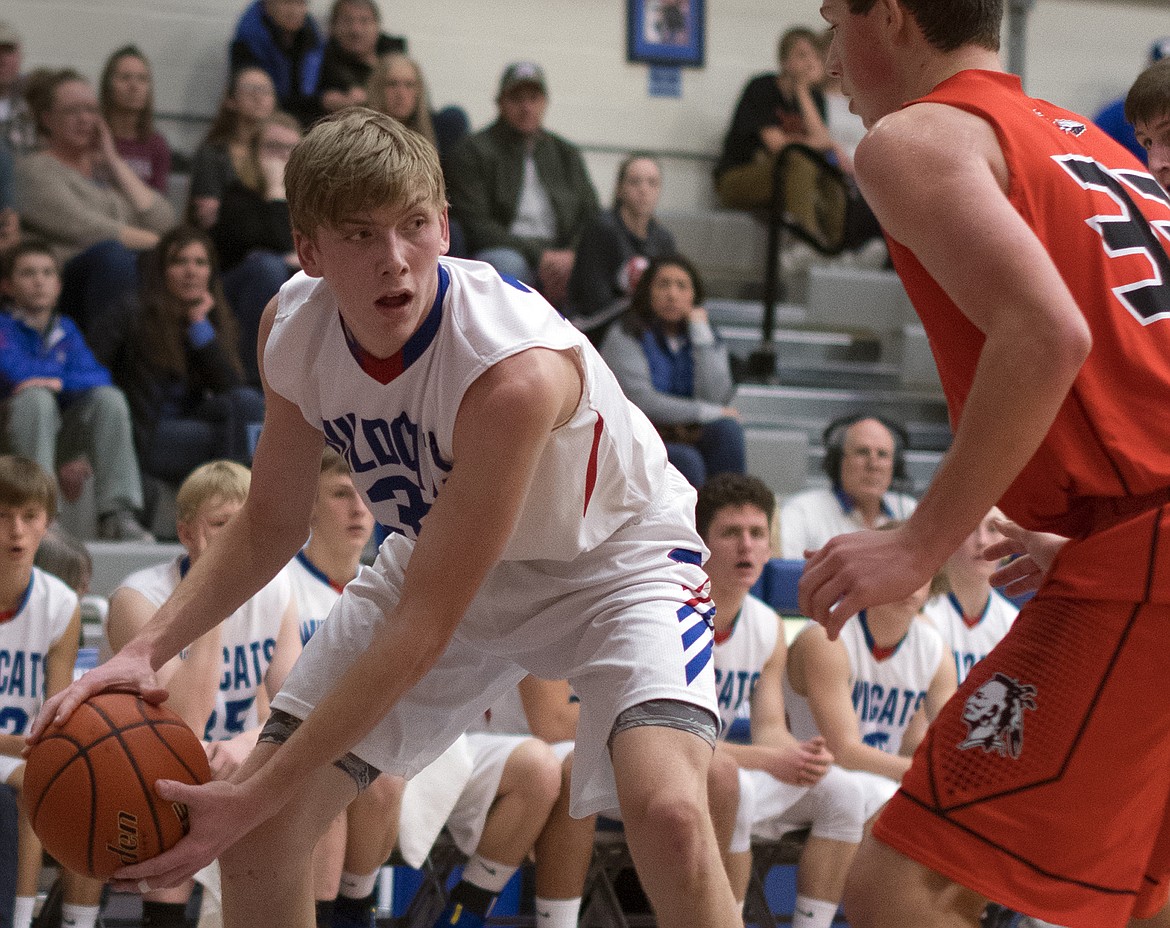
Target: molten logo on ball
127,846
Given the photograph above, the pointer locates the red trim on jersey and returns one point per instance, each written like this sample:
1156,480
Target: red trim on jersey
9,614
591,469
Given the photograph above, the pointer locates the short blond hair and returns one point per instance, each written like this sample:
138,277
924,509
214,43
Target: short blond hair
223,481
356,161
333,463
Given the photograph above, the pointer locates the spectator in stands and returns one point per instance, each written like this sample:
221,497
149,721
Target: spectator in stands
127,100
17,134
253,235
1147,107
181,370
355,44
1113,118
671,365
617,246
863,456
249,100
17,130
522,193
785,784
60,406
81,197
774,110
399,89
281,37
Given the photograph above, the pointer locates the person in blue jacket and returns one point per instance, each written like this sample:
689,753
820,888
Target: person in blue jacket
61,408
281,37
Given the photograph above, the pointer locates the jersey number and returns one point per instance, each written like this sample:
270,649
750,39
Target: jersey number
13,720
1129,232
235,715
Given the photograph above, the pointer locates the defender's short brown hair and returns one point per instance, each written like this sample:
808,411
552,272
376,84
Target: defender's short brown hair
950,24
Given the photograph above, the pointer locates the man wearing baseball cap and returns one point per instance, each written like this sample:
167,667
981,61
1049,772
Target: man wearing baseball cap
521,192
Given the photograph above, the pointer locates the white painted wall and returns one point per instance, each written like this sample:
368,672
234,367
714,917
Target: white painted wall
1081,53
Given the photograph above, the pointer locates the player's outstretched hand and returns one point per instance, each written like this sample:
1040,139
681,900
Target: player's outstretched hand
221,813
126,670
862,569
1032,553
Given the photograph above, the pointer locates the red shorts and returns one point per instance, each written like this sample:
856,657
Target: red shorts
1044,784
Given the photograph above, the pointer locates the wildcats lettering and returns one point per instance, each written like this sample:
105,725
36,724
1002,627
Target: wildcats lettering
735,687
892,709
244,666
20,673
396,464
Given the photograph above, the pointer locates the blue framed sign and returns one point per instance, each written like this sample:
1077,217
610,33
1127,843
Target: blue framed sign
670,32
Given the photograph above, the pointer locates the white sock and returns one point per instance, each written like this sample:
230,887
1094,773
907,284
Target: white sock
79,916
357,885
487,874
22,911
557,913
813,913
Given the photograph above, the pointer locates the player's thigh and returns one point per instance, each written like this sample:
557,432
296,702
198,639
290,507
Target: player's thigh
425,720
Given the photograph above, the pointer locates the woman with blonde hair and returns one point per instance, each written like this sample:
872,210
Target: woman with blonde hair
398,89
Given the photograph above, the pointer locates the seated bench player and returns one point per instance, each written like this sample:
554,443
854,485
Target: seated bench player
862,690
222,685
785,784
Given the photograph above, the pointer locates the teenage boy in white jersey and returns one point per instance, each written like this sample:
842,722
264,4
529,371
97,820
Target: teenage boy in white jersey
557,541
968,612
40,627
785,784
861,690
222,685
348,856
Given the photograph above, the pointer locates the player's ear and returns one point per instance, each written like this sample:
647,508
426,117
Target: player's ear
307,253
894,16
445,228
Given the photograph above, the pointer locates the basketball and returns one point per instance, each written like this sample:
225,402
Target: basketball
89,784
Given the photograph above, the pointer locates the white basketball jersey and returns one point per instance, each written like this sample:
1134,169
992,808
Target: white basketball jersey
739,660
602,468
886,691
248,637
314,593
970,643
25,640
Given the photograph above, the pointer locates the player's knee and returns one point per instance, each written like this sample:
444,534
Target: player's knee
723,786
383,797
838,807
536,771
675,822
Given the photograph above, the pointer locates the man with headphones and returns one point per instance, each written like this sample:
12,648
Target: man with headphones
864,455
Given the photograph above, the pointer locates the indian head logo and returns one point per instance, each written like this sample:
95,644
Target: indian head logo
995,716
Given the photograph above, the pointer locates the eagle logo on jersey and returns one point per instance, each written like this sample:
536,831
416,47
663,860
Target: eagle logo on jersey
1071,126
994,714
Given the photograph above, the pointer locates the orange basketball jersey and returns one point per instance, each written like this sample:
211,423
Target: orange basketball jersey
1106,223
